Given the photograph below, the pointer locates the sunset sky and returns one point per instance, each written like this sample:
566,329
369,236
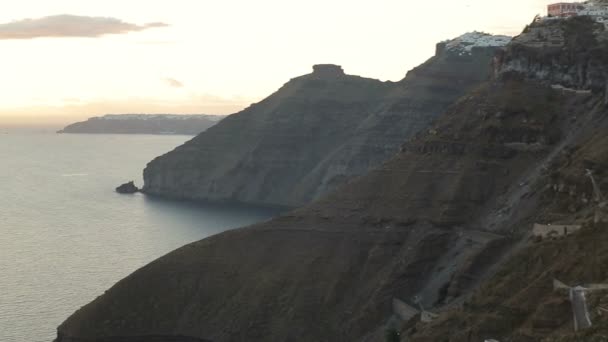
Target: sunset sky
75,59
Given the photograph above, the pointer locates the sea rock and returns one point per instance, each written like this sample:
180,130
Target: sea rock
127,188
328,71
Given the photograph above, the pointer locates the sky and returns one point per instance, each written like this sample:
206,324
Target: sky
64,60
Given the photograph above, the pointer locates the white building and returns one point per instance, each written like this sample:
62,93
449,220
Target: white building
599,11
594,9
548,231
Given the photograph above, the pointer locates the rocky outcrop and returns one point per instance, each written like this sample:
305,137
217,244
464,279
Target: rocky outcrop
316,132
127,188
144,124
563,52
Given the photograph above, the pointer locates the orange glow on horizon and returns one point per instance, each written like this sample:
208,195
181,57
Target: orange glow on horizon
158,57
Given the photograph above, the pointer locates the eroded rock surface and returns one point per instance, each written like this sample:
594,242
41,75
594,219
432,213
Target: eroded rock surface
315,133
127,188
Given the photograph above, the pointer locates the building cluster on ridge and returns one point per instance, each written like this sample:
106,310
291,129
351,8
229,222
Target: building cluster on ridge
596,9
464,44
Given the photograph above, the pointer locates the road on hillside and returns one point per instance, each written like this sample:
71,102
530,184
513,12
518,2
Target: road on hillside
579,308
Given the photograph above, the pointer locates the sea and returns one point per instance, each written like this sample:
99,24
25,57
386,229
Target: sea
66,236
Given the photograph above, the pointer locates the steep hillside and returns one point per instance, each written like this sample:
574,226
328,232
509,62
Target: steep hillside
520,303
421,222
144,124
568,53
449,217
317,131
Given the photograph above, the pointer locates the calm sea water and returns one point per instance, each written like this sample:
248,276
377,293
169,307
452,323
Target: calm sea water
66,236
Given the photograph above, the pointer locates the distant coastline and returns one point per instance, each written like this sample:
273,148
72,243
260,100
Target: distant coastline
144,124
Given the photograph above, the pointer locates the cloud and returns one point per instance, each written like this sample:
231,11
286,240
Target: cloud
69,26
172,82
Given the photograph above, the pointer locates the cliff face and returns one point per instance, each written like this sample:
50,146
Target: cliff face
316,132
569,53
144,124
259,154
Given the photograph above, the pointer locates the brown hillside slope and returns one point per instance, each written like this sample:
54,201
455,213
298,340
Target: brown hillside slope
519,303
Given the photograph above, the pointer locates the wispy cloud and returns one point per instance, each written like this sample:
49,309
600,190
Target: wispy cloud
69,26
172,82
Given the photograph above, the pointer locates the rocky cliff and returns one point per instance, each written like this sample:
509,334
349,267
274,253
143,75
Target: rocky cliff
317,131
446,221
521,302
568,53
144,124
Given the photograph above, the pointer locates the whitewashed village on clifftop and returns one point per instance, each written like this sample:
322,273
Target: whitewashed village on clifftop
597,9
